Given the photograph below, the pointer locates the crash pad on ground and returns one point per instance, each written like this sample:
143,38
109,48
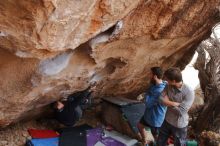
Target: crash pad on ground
97,135
36,133
73,136
43,142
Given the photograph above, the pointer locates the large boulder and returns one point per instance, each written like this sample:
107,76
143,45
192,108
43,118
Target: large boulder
51,48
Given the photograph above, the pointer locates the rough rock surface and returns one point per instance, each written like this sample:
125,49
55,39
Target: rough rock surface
50,48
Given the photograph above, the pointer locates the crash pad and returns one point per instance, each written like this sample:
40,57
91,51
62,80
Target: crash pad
97,135
133,114
73,136
43,142
36,133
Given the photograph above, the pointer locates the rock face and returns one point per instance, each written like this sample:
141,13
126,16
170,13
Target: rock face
52,48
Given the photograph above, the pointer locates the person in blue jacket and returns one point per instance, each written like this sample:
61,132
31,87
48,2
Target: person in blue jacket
155,111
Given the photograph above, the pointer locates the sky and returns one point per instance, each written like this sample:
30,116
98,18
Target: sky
190,75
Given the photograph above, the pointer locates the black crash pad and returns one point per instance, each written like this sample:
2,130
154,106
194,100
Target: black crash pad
73,136
133,114
132,110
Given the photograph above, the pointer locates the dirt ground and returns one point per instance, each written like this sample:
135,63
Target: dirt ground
16,135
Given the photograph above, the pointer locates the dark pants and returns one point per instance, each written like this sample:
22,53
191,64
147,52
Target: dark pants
167,130
154,130
69,115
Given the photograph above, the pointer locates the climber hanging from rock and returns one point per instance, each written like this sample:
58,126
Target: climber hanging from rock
69,111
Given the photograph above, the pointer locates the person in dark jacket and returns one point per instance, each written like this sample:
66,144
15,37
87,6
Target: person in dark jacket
70,111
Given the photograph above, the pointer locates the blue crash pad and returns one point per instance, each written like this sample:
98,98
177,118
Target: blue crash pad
43,142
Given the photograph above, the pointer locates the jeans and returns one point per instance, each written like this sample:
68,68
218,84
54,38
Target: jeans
167,130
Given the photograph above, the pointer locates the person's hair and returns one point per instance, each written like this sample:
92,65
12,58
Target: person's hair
173,73
157,71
